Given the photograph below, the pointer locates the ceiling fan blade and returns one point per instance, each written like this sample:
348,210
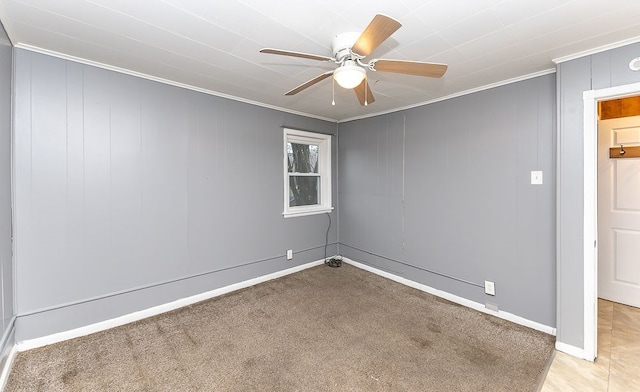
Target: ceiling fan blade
296,54
380,28
364,94
310,83
432,70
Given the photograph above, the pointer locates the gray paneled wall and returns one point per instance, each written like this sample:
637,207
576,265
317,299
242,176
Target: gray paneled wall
441,195
602,70
132,193
6,263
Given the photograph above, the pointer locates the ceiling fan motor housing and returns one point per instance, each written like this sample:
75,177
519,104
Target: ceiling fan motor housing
342,44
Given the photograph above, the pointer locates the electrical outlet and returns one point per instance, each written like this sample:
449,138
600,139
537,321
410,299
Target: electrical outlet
489,287
289,254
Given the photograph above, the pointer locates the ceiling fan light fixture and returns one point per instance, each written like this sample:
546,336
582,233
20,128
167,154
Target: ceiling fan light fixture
350,49
349,75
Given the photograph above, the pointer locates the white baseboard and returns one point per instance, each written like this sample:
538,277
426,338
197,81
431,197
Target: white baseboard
153,311
7,347
454,298
132,317
4,376
571,350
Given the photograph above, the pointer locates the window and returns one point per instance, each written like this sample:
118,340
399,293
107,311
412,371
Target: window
307,173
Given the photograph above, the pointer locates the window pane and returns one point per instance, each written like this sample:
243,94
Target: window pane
303,158
304,190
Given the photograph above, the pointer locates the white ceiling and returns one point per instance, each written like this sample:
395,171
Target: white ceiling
213,45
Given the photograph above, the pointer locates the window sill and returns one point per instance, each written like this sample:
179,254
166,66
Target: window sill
306,212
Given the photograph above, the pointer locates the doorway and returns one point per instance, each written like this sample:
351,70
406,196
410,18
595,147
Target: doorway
590,204
619,200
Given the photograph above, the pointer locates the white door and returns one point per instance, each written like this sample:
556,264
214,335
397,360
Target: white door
619,213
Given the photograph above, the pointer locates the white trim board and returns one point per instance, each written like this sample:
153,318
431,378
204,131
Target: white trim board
571,350
455,95
8,348
132,317
6,369
153,311
456,299
590,200
596,50
125,71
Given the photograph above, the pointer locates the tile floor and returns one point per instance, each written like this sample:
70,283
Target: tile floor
617,367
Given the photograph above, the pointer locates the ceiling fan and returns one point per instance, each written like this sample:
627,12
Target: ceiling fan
349,51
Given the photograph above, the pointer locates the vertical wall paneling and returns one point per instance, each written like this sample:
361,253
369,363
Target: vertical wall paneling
164,148
6,263
441,195
371,173
125,183
598,71
131,193
74,223
98,204
48,162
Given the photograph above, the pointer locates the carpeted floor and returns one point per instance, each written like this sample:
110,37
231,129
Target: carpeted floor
321,329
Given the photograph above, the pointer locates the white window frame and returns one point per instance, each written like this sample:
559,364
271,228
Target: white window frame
324,171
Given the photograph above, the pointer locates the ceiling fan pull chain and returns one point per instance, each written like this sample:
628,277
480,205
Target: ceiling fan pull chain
333,91
366,84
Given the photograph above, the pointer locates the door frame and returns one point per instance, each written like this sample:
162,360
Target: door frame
590,199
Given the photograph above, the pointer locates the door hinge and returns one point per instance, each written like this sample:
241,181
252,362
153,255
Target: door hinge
594,243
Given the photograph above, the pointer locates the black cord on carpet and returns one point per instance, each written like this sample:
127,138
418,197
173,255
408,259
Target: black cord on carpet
335,261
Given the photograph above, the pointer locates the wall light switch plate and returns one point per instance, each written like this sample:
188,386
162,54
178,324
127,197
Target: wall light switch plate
536,177
489,287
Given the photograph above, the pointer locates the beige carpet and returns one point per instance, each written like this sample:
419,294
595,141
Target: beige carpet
322,329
